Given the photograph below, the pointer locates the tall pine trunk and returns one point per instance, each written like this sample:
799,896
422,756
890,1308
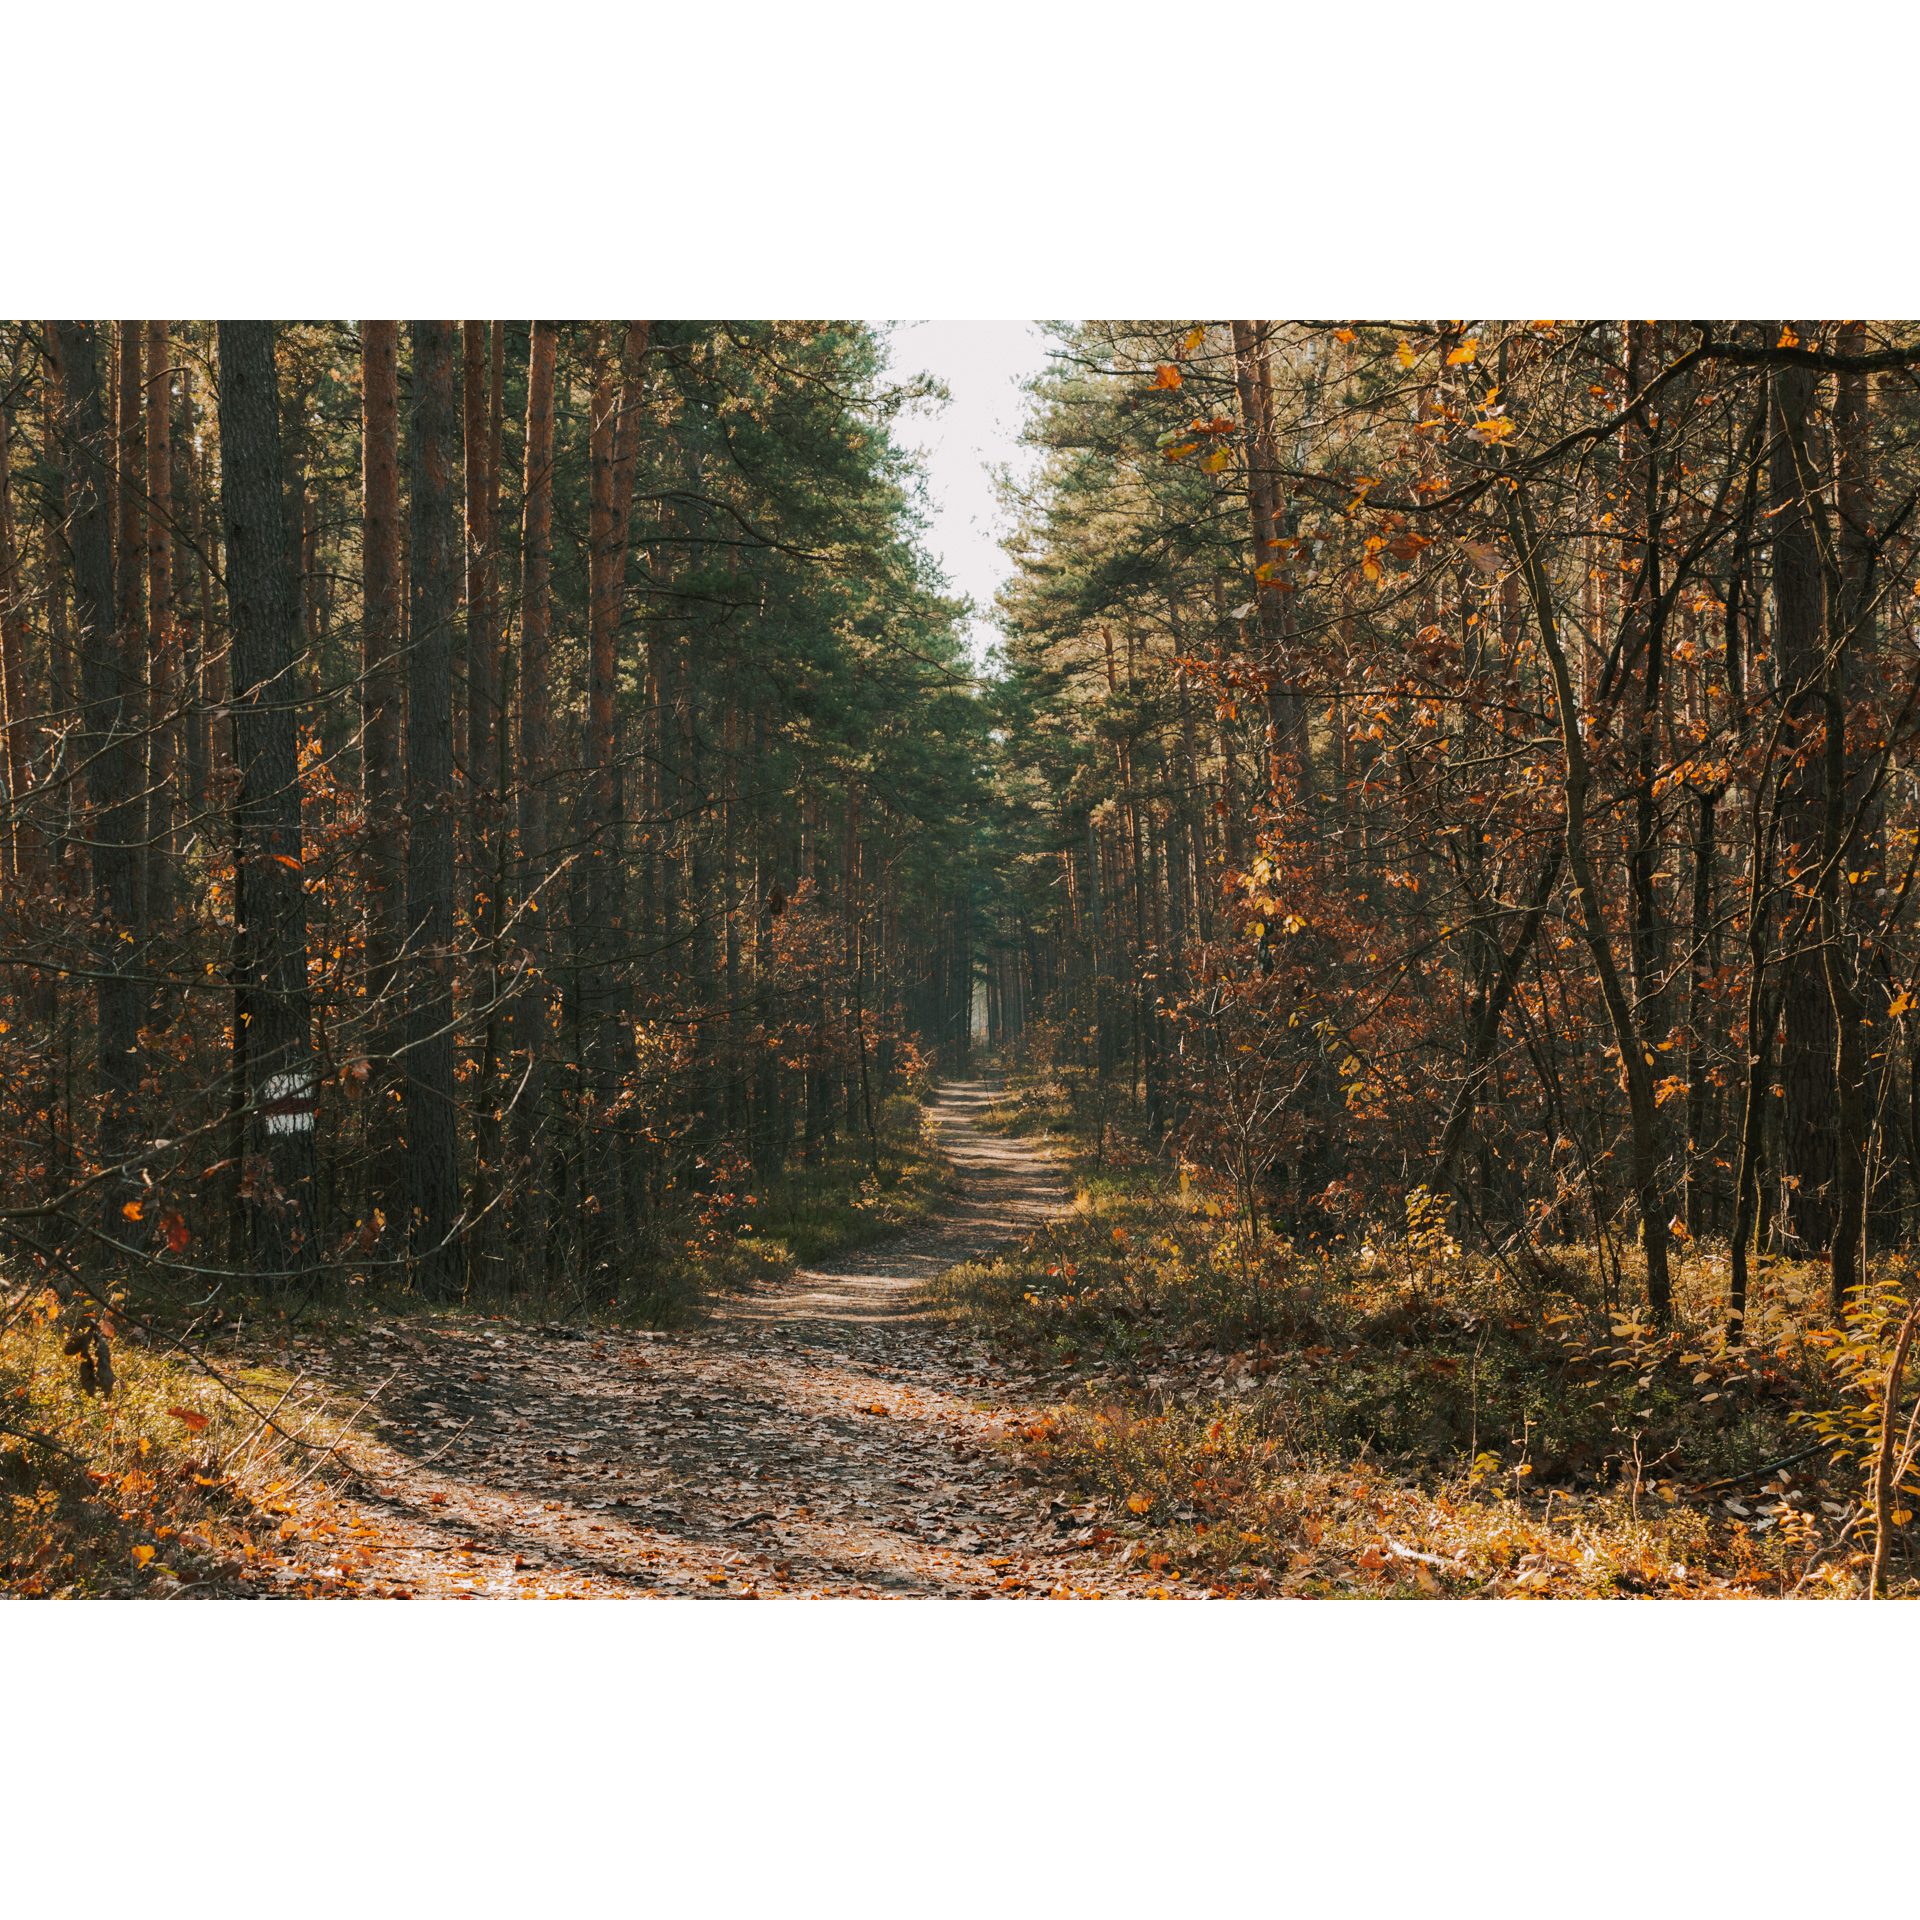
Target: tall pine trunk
272,1006
162,643
532,1004
110,752
433,524
380,759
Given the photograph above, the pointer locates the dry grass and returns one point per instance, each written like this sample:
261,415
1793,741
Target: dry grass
1402,1418
168,1483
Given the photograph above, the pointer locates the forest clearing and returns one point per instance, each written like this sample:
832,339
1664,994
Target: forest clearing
564,1032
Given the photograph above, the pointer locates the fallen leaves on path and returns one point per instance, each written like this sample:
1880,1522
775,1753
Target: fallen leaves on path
825,1437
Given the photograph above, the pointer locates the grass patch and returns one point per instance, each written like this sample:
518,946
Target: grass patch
167,1482
813,1213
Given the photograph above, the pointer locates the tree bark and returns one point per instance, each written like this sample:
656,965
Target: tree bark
130,580
531,1007
16,843
162,641
272,1004
110,752
432,1139
380,759
1810,1130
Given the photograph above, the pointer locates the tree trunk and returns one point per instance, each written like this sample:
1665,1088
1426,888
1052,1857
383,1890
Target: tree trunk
485,724
433,588
381,763
531,1007
1810,1132
130,581
16,844
271,1006
110,752
163,643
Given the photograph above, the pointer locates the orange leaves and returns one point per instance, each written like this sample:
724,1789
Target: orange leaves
1166,377
1464,355
1138,1503
287,860
131,1211
174,1226
141,1555
1196,338
1404,354
193,1422
1345,335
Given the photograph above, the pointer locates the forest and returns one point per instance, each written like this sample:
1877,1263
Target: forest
504,830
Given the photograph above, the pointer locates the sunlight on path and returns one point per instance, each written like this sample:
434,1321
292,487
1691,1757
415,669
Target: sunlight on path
824,1436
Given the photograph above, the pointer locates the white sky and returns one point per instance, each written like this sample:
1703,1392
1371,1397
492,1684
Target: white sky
982,363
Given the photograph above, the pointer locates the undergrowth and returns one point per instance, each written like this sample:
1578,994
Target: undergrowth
1399,1415
167,1480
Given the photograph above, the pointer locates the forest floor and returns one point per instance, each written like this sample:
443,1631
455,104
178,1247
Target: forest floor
826,1433
1060,1380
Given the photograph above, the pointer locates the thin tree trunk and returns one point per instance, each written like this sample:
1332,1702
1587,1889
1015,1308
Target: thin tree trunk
163,642
130,580
16,842
381,763
432,1137
531,1008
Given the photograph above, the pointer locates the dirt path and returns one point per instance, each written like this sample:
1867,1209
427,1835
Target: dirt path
825,1437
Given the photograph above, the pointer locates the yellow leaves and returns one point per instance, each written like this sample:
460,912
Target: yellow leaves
1900,1003
1788,338
1215,461
1670,1088
1370,569
141,1555
1678,1228
131,1211
1196,338
1138,1503
1166,377
1404,354
1179,452
1464,355
1345,335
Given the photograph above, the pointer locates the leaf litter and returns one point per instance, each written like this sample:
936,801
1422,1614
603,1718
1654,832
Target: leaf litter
825,1435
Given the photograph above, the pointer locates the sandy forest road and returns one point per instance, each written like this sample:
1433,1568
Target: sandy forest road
824,1437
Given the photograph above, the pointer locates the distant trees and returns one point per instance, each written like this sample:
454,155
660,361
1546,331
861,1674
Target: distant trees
1562,740
435,846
